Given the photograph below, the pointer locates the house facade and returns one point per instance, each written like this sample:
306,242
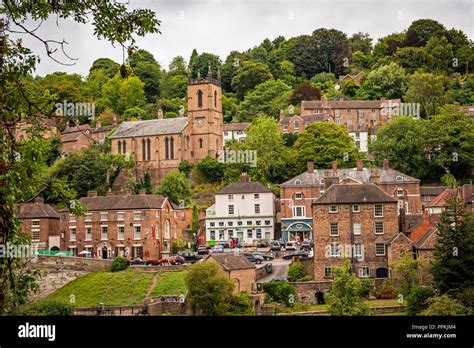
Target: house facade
244,210
235,131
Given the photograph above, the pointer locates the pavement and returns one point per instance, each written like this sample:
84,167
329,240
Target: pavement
280,269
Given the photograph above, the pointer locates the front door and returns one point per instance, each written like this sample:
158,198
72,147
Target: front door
104,253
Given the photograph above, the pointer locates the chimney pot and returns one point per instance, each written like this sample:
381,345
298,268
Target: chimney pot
360,165
386,164
109,193
159,114
91,193
244,177
334,166
310,165
97,124
39,200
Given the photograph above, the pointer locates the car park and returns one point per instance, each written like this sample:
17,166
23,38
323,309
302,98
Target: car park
275,246
202,250
266,256
177,260
253,258
290,245
299,253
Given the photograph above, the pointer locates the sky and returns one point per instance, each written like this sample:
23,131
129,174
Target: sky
220,26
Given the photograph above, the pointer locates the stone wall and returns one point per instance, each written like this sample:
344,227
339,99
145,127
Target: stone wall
308,265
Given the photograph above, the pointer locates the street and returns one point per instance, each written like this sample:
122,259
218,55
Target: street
280,270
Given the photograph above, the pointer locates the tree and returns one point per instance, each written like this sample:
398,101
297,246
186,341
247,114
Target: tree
148,71
361,42
175,86
280,292
241,304
305,91
176,187
388,81
445,306
453,267
131,94
211,169
427,90
209,292
413,58
249,75
388,45
230,67
95,80
441,53
323,142
418,299
420,31
296,271
185,167
405,273
106,65
345,296
202,63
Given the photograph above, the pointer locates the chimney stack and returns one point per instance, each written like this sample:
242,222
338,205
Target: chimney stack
330,179
334,166
374,176
467,193
360,165
244,177
385,164
97,124
142,192
126,192
109,193
114,121
39,200
310,165
159,114
91,193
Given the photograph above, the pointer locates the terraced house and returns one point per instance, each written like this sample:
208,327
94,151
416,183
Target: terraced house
142,225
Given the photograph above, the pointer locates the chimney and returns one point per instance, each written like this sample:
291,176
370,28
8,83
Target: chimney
97,124
142,192
244,177
402,220
114,121
109,193
282,115
159,114
91,193
334,166
385,164
329,180
360,165
39,200
126,192
374,176
467,193
310,165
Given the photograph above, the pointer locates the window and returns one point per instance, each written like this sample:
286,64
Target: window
167,229
221,223
119,147
357,250
258,223
267,222
380,249
120,232
88,233
104,235
199,95
297,182
124,147
200,143
259,233
120,216
400,192
298,195
239,223
148,149
299,210
335,250
231,209
73,251
230,233
171,148
337,112
212,223
230,223
333,208
296,125
167,151
358,144
215,99
212,235
379,227
426,198
137,215
357,135
249,233
378,210
257,208
357,230
356,208
143,150
364,272
256,196
349,110
333,229
221,235
137,232
230,198
249,223
35,229
72,218
327,271
88,217
338,121
103,216
399,178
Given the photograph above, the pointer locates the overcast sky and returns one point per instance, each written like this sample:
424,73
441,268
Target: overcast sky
220,26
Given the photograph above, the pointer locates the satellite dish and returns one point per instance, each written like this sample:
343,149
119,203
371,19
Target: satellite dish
337,87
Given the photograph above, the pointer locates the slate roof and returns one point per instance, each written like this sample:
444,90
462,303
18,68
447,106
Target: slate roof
103,129
70,137
80,128
350,193
345,104
150,127
131,202
432,190
36,211
244,187
232,262
316,178
227,127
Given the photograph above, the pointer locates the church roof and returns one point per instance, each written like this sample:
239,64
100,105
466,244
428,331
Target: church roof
151,127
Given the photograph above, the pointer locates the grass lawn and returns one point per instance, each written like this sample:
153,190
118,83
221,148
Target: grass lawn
170,283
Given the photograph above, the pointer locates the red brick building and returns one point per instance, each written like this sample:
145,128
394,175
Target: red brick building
353,221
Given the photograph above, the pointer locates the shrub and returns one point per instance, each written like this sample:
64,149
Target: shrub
386,291
185,167
418,299
47,308
296,271
119,264
240,304
211,170
444,305
281,292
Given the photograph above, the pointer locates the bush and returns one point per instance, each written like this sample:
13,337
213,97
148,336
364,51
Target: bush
240,304
281,292
444,305
211,170
418,299
296,271
47,308
386,291
119,264
185,167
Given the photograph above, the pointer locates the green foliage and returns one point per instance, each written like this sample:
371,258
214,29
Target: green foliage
202,62
296,271
106,66
241,304
175,86
211,170
361,42
388,81
422,30
185,167
345,296
208,290
280,292
428,91
418,299
46,307
176,187
149,71
249,75
405,273
119,264
445,306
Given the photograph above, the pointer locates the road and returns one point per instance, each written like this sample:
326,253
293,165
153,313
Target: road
280,269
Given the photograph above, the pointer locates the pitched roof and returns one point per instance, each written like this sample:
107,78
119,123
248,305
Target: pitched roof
232,262
67,137
442,198
419,244
103,129
123,202
432,190
36,211
227,127
80,128
345,104
419,231
244,187
354,193
317,177
150,127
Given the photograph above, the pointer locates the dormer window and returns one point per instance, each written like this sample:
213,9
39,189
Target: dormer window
399,178
296,124
297,182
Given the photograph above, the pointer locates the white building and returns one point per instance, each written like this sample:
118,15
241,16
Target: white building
235,131
243,210
361,140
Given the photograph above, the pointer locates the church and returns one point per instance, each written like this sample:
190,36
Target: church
159,145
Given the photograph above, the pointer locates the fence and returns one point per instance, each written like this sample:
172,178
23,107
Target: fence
103,310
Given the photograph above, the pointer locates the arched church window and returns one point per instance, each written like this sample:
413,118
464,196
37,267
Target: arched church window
171,148
148,145
167,153
143,150
119,147
215,99
124,145
199,99
200,143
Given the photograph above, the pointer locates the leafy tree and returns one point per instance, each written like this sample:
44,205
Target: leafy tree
175,86
249,75
413,58
405,273
445,306
177,66
131,94
229,108
106,65
230,67
422,30
349,88
427,90
119,264
211,169
192,59
305,91
241,304
280,292
202,62
46,307
208,291
111,94
134,113
148,71
95,80
418,299
185,167
361,42
345,296
388,45
462,89
296,271
388,81
441,52
323,142
453,267
176,187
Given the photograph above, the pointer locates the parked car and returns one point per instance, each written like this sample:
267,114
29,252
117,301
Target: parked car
189,256
203,250
269,268
290,245
279,279
305,246
263,244
253,258
152,262
177,260
299,253
217,249
223,244
275,246
136,261
265,256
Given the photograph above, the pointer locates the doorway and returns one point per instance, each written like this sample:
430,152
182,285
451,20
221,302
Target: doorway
104,253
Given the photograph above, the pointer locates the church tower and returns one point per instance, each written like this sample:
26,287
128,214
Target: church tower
204,117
